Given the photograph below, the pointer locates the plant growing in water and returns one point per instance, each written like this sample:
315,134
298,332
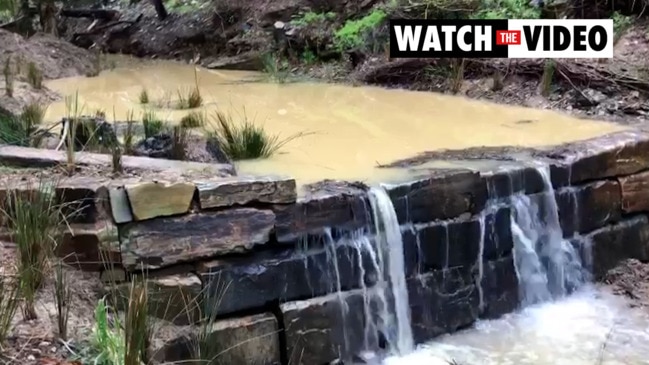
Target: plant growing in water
278,70
193,120
245,139
144,97
152,124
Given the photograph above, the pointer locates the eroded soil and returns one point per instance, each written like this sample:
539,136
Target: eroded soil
631,279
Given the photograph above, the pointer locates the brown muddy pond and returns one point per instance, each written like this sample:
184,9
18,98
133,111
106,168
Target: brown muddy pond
350,130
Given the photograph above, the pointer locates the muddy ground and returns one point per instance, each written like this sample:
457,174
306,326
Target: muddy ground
631,279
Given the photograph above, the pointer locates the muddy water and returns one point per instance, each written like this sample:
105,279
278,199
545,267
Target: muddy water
352,129
592,327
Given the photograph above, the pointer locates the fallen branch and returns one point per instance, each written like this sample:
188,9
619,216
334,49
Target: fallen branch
103,14
109,25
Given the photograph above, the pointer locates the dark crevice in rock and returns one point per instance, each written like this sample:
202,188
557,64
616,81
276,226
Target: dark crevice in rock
275,309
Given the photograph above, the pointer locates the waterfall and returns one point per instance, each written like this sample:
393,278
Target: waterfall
395,321
547,265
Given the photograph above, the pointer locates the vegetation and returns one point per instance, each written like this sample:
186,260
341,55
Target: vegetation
144,97
189,99
355,32
547,77
508,9
22,130
277,69
621,23
129,134
9,80
180,137
34,220
245,139
62,299
193,120
152,124
311,17
34,76
9,301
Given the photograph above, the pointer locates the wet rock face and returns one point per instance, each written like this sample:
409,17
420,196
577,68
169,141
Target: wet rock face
280,277
321,330
499,288
442,301
604,248
588,207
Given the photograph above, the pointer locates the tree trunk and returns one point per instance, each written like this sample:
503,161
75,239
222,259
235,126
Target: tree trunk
25,25
160,9
47,11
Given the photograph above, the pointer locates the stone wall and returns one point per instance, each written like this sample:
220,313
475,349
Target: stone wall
253,254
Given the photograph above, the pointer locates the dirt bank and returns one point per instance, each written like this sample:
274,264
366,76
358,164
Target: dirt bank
52,58
631,279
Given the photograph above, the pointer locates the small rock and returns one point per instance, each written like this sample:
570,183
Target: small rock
31,358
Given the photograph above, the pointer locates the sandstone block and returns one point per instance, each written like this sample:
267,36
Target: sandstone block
457,243
90,247
159,199
501,184
83,199
447,194
606,247
165,241
324,329
499,288
346,209
246,340
615,154
588,207
248,283
635,192
119,205
442,301
241,191
175,298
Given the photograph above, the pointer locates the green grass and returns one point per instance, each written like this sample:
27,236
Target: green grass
108,338
353,34
152,124
277,69
311,17
244,139
21,130
34,220
9,301
33,114
144,97
34,76
193,120
621,23
189,98
507,9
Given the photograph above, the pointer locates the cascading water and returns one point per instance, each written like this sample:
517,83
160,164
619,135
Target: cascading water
547,265
395,323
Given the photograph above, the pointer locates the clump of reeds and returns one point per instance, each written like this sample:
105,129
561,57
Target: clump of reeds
180,136
193,120
244,139
62,297
34,219
9,301
152,124
144,97
9,77
34,76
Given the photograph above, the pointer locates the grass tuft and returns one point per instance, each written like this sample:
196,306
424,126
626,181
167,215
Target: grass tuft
9,301
144,97
33,114
193,120
245,139
277,70
136,326
180,136
34,220
62,297
108,337
9,78
34,76
152,124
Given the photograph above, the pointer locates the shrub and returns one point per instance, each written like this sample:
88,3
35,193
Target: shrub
354,33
